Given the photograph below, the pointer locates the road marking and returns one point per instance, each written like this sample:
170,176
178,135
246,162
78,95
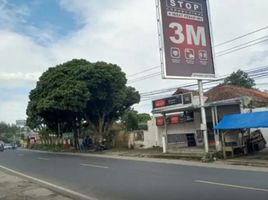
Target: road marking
96,166
51,185
43,158
232,186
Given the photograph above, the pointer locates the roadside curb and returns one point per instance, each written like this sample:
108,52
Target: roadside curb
61,190
216,165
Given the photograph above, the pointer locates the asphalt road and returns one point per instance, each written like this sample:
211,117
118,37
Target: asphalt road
105,178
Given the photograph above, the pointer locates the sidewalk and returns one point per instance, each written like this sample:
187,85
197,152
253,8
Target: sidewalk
16,188
184,154
191,163
258,159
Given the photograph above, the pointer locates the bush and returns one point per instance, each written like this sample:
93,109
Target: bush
48,147
212,156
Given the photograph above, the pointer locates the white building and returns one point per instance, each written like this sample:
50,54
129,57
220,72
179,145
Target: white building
177,119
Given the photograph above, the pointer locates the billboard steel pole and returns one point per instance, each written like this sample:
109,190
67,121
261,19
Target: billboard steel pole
186,45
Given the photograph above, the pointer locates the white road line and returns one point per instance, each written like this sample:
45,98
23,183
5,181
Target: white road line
39,158
96,166
51,185
233,186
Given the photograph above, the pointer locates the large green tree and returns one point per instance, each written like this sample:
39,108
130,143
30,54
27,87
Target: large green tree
132,120
79,90
240,78
7,132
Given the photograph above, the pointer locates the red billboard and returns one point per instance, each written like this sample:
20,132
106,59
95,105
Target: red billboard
185,39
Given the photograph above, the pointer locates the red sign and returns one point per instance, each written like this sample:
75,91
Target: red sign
159,103
174,119
186,49
182,99
160,121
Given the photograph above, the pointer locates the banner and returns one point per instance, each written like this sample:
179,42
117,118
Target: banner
185,39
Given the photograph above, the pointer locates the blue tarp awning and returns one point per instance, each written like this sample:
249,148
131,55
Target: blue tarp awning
241,121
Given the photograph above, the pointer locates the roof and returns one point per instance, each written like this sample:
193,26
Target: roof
183,91
223,92
242,121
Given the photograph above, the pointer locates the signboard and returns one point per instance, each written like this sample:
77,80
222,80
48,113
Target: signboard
176,119
174,100
167,101
187,98
20,122
160,121
185,39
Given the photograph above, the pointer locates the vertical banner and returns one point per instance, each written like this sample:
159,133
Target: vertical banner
185,39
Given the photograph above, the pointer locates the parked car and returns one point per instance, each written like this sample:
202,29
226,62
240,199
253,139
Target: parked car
1,146
14,146
7,146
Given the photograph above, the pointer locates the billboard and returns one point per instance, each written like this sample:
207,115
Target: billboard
185,39
21,122
181,99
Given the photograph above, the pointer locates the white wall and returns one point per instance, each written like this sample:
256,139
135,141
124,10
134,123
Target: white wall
153,137
188,127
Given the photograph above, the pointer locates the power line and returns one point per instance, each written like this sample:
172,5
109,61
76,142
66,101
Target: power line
220,44
259,71
242,36
143,71
240,45
145,77
194,86
219,54
209,87
205,88
242,48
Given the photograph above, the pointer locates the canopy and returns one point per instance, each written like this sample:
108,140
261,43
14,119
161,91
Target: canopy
241,121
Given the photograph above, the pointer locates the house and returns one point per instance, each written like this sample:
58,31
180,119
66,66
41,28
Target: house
178,117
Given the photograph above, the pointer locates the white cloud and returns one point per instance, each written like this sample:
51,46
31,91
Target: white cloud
125,33
10,14
13,109
21,53
20,76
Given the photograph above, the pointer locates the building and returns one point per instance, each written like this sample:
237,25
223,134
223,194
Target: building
178,117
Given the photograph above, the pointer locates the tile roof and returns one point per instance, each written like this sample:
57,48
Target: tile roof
224,92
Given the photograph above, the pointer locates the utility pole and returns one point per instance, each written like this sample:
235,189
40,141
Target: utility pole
203,115
164,137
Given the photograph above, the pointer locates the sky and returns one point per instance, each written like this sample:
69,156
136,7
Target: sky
38,34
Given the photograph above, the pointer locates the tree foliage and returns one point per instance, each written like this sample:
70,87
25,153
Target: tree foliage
132,120
79,90
240,78
144,117
7,132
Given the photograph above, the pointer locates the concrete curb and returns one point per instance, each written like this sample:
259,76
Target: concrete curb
58,189
216,165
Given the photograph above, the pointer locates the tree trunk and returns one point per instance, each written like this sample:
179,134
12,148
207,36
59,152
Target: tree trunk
101,125
76,144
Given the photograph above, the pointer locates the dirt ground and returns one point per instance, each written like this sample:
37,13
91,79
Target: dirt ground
258,159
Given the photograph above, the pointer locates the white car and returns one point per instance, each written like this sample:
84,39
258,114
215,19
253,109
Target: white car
7,146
